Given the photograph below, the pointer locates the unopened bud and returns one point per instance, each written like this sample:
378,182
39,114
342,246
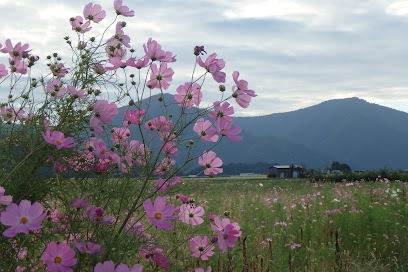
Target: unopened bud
222,88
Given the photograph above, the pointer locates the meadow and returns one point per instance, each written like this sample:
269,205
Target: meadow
296,225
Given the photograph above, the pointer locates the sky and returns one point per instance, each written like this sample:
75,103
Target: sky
293,53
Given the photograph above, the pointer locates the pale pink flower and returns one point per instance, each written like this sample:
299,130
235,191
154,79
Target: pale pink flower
77,93
159,77
59,257
170,149
134,116
17,51
118,63
205,130
18,65
95,127
88,247
98,216
224,128
190,214
222,111
58,139
163,185
227,232
241,97
58,70
120,134
3,71
54,87
200,248
159,213
199,269
154,52
122,10
211,163
78,24
104,111
10,115
213,66
242,84
188,95
4,199
22,217
94,12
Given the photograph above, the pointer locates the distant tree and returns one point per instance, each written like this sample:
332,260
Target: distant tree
340,166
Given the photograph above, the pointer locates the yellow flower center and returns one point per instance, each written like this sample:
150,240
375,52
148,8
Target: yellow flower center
85,249
102,151
23,220
58,142
158,216
57,260
159,262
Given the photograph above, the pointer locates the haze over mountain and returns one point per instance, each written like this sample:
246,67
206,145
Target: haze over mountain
351,130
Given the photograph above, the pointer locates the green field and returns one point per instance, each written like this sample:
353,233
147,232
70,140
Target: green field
295,225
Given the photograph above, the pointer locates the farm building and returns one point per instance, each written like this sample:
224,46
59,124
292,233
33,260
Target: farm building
286,171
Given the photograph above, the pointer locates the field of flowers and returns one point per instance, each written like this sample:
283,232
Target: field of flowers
291,225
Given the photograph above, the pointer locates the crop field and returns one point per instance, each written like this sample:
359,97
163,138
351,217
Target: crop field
295,225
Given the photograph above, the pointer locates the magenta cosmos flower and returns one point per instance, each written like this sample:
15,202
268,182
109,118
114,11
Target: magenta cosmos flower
163,185
22,217
190,214
4,199
59,257
159,77
122,10
211,163
109,266
205,130
188,95
154,52
16,51
94,13
200,248
227,232
58,139
214,66
159,213
242,84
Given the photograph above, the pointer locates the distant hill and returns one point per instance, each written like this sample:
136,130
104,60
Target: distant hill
351,130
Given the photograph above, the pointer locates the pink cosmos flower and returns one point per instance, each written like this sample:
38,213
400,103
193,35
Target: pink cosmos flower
134,227
164,185
120,134
163,166
118,63
109,266
213,66
242,84
200,248
188,95
159,77
199,269
3,71
211,163
4,199
222,111
134,116
78,24
10,115
58,70
141,63
154,52
94,13
95,127
77,93
241,97
224,128
183,199
190,214
205,130
17,65
122,10
161,261
170,149
97,215
88,247
158,213
104,110
227,232
54,87
79,203
59,257
22,217
58,139
17,51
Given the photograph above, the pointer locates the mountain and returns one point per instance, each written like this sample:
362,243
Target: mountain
351,130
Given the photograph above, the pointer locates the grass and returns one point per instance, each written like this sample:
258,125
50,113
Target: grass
357,226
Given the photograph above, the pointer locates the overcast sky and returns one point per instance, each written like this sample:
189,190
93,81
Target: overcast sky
293,53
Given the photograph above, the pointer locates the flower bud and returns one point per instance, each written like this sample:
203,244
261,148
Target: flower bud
222,88
214,239
131,102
